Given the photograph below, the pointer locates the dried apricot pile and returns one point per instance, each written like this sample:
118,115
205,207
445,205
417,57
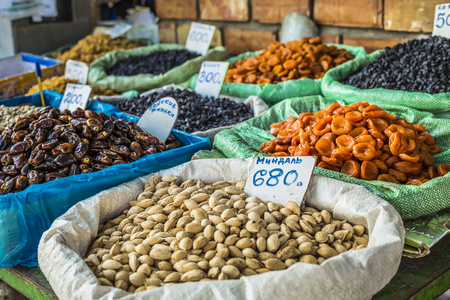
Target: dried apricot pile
360,140
305,58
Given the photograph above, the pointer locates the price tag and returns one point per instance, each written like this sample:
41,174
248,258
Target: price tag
118,30
280,179
77,70
159,118
442,20
75,95
210,79
200,37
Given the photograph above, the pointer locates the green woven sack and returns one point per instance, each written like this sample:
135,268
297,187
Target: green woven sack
243,141
332,88
274,93
144,82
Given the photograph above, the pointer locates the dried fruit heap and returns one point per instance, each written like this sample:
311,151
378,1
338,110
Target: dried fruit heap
416,66
52,144
306,58
190,232
197,113
59,83
95,46
360,140
157,62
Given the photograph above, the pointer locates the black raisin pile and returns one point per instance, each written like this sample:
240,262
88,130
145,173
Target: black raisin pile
416,66
196,113
157,62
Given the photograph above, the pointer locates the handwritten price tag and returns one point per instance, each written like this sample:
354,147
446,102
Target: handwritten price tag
75,95
159,118
77,70
200,37
442,20
210,79
280,179
118,30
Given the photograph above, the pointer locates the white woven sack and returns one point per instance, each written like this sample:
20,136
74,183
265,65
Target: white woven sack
356,274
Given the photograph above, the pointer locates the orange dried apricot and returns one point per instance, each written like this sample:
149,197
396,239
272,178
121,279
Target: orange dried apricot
364,151
387,178
443,169
341,126
369,170
351,168
345,141
325,147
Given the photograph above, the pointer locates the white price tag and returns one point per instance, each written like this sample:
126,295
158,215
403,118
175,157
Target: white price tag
442,20
280,179
75,95
118,30
210,79
200,37
159,118
77,70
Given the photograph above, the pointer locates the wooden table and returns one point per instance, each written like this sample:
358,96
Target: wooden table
417,278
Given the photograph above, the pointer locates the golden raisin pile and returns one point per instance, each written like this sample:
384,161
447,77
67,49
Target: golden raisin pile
305,58
95,46
360,140
58,84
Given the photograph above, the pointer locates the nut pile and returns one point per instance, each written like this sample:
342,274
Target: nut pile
9,113
157,62
52,144
197,113
95,46
416,66
198,232
360,140
305,58
58,84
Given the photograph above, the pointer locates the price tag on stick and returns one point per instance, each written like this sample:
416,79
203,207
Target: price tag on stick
159,118
75,95
118,30
210,79
442,20
280,179
200,37
77,70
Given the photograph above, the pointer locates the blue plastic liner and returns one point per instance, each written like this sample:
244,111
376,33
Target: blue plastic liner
24,216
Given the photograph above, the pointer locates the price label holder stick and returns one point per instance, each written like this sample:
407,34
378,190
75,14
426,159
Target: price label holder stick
199,38
118,30
441,24
211,77
280,179
77,70
75,96
160,118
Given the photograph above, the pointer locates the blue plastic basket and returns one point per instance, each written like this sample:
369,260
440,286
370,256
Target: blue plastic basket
24,216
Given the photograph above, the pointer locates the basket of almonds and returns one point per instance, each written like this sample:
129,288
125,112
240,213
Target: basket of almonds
192,231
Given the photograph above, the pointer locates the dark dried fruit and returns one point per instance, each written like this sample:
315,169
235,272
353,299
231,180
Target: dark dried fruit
157,62
196,113
50,145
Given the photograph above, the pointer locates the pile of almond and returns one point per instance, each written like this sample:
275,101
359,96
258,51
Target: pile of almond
196,232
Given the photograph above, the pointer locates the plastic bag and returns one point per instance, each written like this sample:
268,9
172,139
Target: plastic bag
342,277
274,93
256,104
144,82
25,215
243,141
332,88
